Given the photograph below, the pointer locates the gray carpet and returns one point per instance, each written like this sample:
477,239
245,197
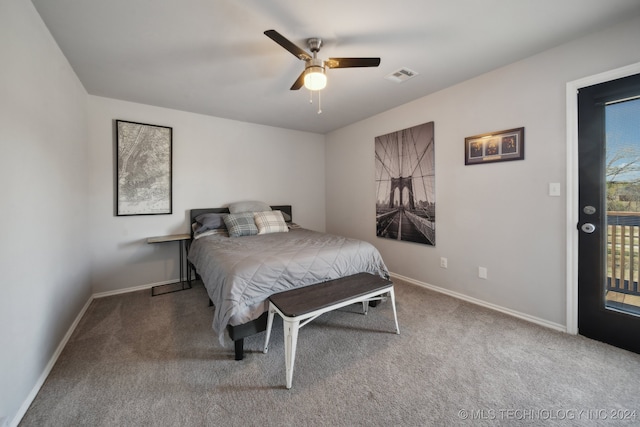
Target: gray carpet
138,360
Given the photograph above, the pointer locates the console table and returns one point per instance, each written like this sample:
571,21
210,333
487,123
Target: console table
181,238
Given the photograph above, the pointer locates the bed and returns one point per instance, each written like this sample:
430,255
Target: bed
241,272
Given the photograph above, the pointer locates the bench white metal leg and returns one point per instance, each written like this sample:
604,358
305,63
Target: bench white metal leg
290,344
270,315
395,314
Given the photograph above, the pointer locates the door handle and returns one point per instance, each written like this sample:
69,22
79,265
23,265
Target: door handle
588,228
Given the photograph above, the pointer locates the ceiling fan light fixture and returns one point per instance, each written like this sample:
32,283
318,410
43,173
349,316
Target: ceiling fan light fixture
315,78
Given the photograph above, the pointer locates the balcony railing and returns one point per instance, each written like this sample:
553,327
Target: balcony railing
623,254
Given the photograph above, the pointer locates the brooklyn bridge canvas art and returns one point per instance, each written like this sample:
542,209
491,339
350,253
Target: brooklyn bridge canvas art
405,185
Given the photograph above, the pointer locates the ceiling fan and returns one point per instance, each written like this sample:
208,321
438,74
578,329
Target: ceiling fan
314,75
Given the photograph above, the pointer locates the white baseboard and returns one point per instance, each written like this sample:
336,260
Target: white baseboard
514,313
127,290
52,361
54,358
134,288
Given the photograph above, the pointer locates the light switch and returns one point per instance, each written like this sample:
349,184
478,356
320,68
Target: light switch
554,189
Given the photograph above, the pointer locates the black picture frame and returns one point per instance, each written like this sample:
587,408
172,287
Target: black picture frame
491,147
144,181
406,201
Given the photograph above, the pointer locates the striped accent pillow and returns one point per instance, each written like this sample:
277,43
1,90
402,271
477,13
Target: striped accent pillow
240,224
270,222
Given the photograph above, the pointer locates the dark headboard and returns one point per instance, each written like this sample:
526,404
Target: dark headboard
195,212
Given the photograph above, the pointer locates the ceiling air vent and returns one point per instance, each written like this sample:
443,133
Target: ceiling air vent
401,75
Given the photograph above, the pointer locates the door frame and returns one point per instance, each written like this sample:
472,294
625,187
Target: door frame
572,183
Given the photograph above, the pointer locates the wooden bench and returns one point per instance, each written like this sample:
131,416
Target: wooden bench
299,306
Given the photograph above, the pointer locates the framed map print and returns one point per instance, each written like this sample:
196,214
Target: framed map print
143,169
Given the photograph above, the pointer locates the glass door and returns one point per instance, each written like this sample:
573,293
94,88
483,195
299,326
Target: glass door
609,216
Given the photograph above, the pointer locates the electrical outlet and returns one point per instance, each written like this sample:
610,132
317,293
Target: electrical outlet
482,272
443,262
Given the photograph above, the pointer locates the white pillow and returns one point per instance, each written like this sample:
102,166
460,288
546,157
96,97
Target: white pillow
270,222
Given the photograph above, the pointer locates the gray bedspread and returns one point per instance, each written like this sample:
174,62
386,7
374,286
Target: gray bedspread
241,273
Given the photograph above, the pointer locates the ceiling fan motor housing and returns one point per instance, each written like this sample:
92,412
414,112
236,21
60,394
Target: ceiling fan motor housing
315,65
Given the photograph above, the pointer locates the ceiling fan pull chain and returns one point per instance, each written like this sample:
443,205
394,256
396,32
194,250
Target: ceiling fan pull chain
319,103
310,97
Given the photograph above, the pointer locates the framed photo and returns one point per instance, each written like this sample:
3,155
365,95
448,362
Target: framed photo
143,182
494,147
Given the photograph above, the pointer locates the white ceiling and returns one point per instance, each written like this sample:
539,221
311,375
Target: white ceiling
211,56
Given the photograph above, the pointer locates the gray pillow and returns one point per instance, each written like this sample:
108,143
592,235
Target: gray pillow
249,206
209,221
241,224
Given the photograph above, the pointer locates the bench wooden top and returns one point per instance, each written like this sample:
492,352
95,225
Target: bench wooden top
300,301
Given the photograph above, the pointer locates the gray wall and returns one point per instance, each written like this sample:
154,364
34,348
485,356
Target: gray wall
43,220
215,162
499,215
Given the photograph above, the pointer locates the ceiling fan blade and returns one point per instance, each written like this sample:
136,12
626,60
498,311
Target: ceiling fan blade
285,43
299,82
352,62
